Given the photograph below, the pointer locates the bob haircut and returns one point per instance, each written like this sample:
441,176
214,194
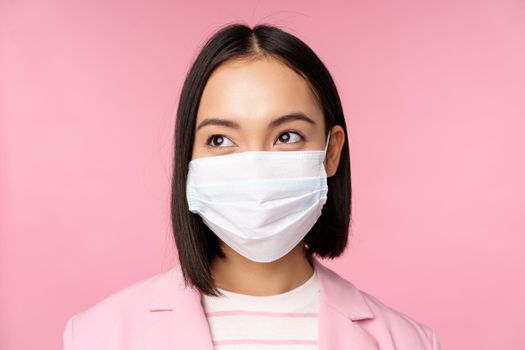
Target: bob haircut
197,245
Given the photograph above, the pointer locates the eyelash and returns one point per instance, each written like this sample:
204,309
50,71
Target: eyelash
286,132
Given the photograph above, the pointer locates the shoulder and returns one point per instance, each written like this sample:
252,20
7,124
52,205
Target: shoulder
98,326
400,327
390,327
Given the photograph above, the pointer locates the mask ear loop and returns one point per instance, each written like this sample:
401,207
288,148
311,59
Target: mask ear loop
326,147
327,142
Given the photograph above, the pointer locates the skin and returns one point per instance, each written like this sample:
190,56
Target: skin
253,93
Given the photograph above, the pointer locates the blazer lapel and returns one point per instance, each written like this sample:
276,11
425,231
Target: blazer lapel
341,308
188,327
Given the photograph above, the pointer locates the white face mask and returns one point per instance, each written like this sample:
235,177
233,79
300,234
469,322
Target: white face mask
260,203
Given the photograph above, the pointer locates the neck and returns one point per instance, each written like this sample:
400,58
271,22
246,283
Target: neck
238,274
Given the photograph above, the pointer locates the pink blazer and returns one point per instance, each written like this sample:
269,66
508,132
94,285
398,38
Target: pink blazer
161,313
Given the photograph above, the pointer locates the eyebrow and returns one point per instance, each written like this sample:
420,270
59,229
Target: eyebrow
273,124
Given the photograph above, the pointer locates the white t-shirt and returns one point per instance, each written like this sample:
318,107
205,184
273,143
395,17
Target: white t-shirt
284,321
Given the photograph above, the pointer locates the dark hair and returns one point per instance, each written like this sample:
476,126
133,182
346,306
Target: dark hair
197,245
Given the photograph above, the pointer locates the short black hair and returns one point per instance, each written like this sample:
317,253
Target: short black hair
197,245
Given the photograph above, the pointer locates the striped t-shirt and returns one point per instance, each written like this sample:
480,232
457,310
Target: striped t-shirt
282,321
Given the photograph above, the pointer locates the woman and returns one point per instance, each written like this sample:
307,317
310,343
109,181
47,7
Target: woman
261,184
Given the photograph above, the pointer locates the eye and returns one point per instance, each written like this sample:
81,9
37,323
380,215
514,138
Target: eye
219,139
285,137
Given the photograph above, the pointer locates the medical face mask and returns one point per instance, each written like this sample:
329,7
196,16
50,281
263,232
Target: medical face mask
260,203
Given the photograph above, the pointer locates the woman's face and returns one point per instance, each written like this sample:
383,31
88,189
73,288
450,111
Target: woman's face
258,105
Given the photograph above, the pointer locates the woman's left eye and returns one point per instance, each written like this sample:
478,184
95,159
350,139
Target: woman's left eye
287,137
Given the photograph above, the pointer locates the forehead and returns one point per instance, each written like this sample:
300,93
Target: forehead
257,88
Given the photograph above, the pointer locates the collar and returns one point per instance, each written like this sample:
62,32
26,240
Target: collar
170,291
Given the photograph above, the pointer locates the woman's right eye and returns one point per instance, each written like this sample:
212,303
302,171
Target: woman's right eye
219,140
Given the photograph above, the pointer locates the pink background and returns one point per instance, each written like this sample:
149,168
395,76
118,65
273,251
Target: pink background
433,93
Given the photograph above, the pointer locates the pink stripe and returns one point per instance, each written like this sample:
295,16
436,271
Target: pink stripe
266,341
260,313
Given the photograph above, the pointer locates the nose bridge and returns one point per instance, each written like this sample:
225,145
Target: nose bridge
256,138
256,144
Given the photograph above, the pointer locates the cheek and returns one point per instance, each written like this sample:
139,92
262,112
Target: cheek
194,150
199,148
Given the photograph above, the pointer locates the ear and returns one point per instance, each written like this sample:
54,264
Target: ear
333,152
